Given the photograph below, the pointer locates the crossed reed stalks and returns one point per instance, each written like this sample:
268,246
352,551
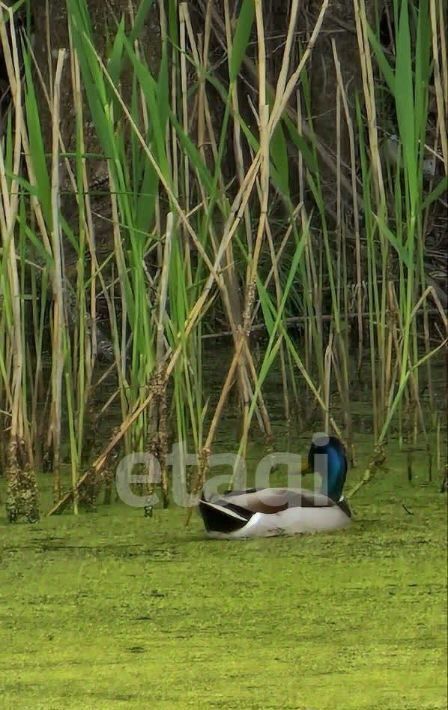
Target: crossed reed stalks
189,247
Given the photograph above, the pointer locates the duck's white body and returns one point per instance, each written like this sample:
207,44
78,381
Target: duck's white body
272,511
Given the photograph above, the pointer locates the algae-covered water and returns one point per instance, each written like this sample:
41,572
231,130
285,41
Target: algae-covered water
112,609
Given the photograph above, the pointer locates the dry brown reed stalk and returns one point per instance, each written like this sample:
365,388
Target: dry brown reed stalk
278,295
58,344
392,326
351,135
228,285
252,267
122,279
237,141
438,34
22,486
184,96
338,161
87,232
378,300
368,83
308,341
438,444
313,297
236,305
157,422
49,52
341,376
230,289
326,385
201,473
8,216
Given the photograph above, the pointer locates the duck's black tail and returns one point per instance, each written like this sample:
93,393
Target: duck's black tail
222,516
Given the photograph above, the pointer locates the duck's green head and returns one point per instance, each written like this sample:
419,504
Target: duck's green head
327,457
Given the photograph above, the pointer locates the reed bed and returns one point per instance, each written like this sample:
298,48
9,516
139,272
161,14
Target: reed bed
209,179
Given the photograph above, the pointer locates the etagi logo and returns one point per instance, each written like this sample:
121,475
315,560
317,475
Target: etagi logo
179,459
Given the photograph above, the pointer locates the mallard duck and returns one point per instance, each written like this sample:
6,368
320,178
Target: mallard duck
285,511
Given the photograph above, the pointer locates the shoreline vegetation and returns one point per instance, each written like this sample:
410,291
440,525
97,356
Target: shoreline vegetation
206,203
